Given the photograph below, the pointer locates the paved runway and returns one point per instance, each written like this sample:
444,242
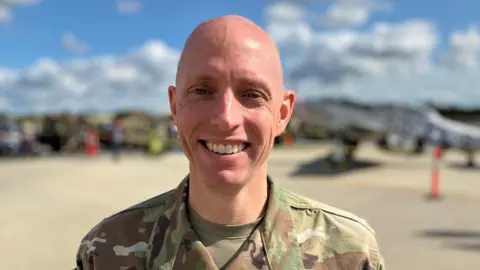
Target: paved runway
47,205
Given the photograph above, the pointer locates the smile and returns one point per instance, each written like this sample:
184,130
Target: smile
224,149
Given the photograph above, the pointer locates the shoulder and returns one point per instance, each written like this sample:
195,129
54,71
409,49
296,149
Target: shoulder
155,202
319,226
307,207
129,228
143,212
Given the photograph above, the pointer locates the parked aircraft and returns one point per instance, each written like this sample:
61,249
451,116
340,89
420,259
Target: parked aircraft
451,134
405,128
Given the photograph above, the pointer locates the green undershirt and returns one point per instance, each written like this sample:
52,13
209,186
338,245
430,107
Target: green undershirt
221,241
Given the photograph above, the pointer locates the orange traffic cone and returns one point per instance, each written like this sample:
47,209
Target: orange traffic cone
91,145
288,140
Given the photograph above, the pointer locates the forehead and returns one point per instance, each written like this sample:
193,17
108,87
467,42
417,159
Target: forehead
245,60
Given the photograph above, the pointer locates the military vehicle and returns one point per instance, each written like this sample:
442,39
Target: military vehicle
67,133
144,131
64,132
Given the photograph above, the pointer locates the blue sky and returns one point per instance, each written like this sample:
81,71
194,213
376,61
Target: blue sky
448,15
35,32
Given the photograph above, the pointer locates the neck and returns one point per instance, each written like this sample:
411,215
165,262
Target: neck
246,205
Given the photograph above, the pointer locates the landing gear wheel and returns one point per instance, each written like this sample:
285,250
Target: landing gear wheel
341,155
470,161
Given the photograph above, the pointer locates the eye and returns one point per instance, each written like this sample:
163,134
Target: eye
253,94
200,91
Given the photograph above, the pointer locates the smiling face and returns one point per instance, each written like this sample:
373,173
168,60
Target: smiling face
229,101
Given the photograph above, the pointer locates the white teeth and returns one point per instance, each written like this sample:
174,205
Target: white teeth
225,148
221,149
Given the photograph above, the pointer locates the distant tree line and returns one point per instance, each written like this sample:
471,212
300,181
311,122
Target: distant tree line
447,111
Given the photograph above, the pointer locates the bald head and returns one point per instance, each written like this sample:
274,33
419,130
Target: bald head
229,91
220,31
227,33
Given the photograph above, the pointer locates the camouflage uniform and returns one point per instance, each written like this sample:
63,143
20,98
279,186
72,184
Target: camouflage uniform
296,233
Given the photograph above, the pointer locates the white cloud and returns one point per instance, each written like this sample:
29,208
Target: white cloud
6,15
71,43
128,6
384,62
331,57
464,48
343,13
285,11
338,13
136,79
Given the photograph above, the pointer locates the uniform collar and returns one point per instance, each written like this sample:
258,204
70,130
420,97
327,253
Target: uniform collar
173,229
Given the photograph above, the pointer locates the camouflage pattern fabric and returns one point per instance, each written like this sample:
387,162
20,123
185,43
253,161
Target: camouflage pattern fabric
296,233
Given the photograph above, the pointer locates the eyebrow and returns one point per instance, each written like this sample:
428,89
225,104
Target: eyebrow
255,82
252,81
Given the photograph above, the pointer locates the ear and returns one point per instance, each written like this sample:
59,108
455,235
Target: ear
173,106
286,109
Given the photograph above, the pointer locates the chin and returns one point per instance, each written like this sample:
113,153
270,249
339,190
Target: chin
228,177
224,171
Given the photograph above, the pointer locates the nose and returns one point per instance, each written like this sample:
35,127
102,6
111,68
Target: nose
227,112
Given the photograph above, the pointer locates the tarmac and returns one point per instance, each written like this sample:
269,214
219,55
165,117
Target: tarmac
48,204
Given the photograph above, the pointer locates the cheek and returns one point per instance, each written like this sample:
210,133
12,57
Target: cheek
188,118
184,126
262,125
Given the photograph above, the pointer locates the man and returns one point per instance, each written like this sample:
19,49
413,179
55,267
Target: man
228,105
117,139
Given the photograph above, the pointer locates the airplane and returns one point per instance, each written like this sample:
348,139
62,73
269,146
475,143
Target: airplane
451,134
396,127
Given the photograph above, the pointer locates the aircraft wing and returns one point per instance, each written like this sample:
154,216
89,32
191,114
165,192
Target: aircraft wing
337,119
454,134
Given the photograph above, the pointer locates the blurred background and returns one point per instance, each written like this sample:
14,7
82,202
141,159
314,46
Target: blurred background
387,123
